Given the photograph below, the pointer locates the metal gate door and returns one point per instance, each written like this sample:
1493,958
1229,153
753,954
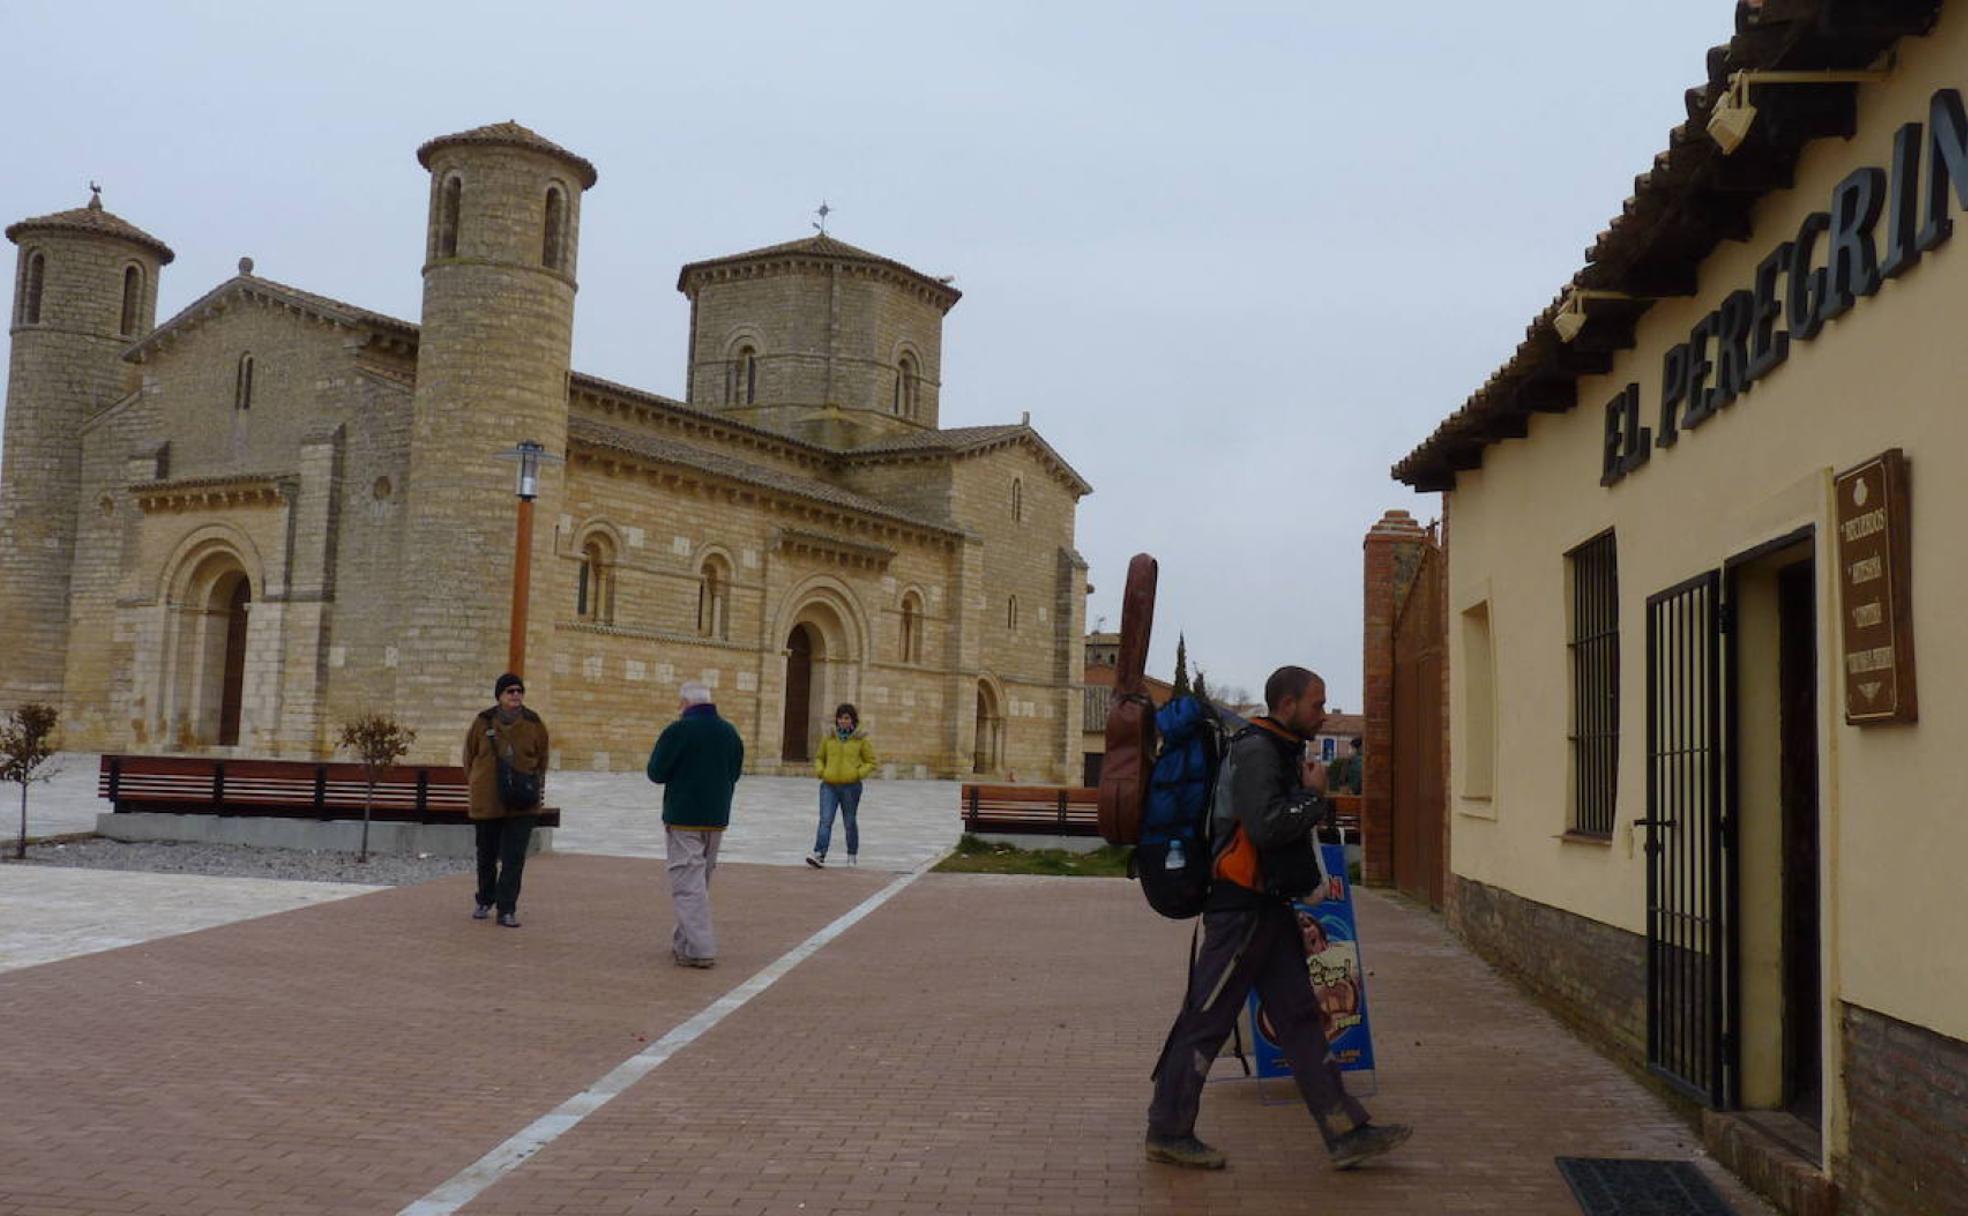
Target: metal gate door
1687,845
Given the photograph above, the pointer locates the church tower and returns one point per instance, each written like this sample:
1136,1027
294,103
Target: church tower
492,371
85,288
818,339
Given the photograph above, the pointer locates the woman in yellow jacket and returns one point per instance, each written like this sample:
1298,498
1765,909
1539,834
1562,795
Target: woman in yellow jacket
845,757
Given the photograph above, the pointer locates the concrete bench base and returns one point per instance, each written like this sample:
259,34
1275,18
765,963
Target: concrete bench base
339,835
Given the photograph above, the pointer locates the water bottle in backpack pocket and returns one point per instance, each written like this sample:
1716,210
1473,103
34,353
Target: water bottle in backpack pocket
1174,859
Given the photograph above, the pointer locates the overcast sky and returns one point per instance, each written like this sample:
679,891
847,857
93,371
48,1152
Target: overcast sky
1236,259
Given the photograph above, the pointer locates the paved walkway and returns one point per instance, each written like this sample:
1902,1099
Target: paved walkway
974,1044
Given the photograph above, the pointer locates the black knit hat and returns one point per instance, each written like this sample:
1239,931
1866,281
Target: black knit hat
509,680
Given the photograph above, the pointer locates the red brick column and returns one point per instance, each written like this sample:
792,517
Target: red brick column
1396,535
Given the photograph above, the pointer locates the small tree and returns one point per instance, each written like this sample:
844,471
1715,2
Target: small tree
378,741
1181,666
27,741
1199,687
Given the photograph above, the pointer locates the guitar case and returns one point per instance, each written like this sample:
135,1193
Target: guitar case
1130,757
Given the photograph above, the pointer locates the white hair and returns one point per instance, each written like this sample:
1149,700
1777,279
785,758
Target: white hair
695,692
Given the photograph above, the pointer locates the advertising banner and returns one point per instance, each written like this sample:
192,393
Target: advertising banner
1339,979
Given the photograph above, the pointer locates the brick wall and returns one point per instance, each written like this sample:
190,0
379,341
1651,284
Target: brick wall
1389,544
1592,975
1906,1091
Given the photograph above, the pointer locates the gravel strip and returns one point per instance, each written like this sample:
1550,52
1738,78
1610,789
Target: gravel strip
242,861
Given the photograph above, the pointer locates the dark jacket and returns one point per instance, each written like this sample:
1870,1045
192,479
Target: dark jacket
1259,788
527,739
697,760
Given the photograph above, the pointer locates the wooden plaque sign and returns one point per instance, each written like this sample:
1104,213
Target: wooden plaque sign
1875,608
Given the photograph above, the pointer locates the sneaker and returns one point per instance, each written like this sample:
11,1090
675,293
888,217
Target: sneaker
817,860
851,861
1185,1151
686,960
1368,1141
481,911
508,921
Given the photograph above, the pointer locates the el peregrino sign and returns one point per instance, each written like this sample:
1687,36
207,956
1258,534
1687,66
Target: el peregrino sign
1835,259
1874,603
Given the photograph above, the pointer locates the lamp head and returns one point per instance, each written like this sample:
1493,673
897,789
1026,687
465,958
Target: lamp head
1570,320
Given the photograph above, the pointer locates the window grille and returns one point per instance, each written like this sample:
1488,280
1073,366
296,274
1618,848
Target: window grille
1595,684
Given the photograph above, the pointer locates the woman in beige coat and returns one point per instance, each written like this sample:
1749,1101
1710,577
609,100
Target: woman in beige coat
514,733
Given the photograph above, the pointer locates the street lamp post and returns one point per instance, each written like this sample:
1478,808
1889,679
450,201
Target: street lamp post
529,456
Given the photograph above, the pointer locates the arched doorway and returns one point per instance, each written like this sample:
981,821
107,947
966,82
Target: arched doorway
801,647
233,683
987,750
209,623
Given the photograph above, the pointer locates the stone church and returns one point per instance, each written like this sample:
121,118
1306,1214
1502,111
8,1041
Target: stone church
230,533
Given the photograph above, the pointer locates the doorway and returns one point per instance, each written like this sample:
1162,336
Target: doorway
1798,696
232,689
987,744
800,648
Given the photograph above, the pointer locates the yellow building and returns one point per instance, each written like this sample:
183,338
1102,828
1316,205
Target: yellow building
229,533
1697,799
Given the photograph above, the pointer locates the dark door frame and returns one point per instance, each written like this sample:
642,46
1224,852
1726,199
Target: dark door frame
1732,775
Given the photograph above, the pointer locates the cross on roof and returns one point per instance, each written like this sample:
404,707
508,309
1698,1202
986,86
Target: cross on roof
823,211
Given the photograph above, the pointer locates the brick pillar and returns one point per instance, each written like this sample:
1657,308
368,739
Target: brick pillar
1395,538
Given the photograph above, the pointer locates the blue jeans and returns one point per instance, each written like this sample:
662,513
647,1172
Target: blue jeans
847,798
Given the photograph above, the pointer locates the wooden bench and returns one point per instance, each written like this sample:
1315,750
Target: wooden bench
1032,810
286,789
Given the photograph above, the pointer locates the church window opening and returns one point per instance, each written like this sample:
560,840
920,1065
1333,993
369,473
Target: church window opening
449,205
906,381
37,273
1011,614
551,244
594,587
741,378
714,599
242,384
1018,500
1594,646
911,648
133,290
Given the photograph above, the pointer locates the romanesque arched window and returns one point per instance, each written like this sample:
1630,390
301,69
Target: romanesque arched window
242,384
594,587
906,381
1018,500
741,376
911,640
450,205
37,273
1011,614
552,241
714,598
133,290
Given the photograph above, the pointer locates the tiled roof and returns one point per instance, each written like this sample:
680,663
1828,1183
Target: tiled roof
958,440
93,220
822,248
511,135
252,285
668,451
1691,198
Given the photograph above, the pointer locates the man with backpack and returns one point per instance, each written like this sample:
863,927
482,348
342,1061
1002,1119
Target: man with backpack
1269,798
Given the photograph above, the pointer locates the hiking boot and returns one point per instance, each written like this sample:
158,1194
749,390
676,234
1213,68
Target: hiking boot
1185,1151
508,921
817,860
1368,1141
481,911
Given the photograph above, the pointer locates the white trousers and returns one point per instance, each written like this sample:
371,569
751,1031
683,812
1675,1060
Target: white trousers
692,859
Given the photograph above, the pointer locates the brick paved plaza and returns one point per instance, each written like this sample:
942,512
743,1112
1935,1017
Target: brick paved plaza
976,1044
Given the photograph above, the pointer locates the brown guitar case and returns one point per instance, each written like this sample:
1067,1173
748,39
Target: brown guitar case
1131,717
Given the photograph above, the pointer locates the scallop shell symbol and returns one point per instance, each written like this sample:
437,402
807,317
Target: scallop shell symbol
1860,493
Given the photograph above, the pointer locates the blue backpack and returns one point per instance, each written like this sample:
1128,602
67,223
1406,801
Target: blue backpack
1174,859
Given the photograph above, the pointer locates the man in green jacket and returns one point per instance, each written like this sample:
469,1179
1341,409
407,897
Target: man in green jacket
696,760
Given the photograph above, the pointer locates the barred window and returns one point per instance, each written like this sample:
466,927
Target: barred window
1594,645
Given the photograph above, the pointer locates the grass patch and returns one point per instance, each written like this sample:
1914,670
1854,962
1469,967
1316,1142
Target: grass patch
974,856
